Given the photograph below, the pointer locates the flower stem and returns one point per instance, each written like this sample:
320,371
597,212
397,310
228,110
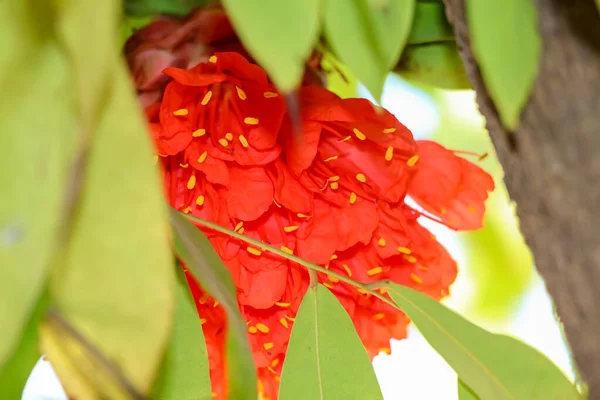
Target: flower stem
312,268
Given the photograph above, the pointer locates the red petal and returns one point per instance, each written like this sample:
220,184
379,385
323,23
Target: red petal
250,193
319,236
355,223
215,170
194,77
288,191
300,150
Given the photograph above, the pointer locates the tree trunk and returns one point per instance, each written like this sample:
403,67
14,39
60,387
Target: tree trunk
552,165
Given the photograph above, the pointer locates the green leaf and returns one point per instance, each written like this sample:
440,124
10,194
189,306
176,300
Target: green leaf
153,7
493,366
115,286
325,358
368,36
195,250
507,46
184,373
465,392
17,369
37,143
430,24
280,35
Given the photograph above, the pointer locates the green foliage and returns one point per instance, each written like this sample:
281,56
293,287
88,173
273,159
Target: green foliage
280,35
325,358
152,7
194,248
507,46
430,24
493,366
465,392
184,373
368,36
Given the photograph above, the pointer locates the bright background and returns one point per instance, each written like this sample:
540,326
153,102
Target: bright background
497,286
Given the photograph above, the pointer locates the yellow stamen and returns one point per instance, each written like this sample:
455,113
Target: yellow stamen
281,304
199,132
213,394
216,303
334,185
200,200
352,198
202,321
359,134
423,268
331,158
410,259
275,362
181,112
362,291
287,250
229,136
284,322
202,157
327,266
241,231
251,121
184,165
389,130
241,93
191,182
269,95
361,178
268,345
277,378
262,327
333,279
348,270
276,203
271,370
260,386
413,160
253,250
252,329
378,316
187,210
334,178
206,98
389,153
290,318
290,228
344,139
300,215
223,142
333,256
374,271
238,226
386,350
328,285
383,290
243,140
212,59
404,250
381,242
416,278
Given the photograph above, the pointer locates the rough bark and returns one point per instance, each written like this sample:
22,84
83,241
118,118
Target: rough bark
552,165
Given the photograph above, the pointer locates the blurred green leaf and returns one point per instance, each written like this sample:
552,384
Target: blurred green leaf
325,358
340,79
153,7
368,36
115,286
280,35
184,373
429,24
17,369
195,250
37,141
493,366
465,392
506,43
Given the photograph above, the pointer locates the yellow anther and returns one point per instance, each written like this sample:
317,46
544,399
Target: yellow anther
281,304
276,203
410,259
238,226
352,198
202,321
187,210
389,130
404,250
381,242
389,153
291,228
286,250
416,278
345,139
243,140
378,316
348,270
331,158
202,157
199,132
327,266
413,160
328,285
359,134
200,200
184,165
252,329
216,303
251,121
423,268
290,318
213,394
262,328
181,112
333,279
284,322
271,370
260,386
361,178
269,95
241,231
362,291
386,350
300,215
383,290
333,256
212,59
229,136
223,142
334,178
191,182
241,93
275,362
334,185
206,98
203,299
268,345
374,271
253,250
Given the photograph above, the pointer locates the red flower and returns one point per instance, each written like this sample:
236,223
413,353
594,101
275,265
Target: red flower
334,195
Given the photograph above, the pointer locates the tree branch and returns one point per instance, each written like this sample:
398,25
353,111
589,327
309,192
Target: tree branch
552,165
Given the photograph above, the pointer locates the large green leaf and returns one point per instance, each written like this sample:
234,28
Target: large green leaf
368,36
507,46
325,358
430,24
493,366
184,372
195,250
280,35
465,392
36,142
153,7
115,286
